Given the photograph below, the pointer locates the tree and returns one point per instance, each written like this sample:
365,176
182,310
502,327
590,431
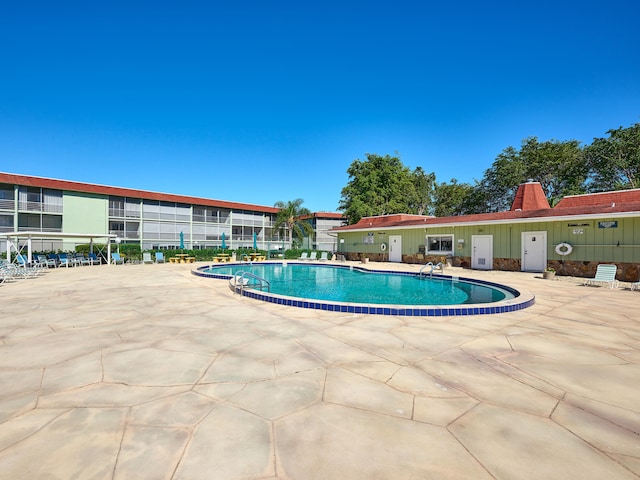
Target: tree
377,186
288,219
615,161
423,194
453,198
558,166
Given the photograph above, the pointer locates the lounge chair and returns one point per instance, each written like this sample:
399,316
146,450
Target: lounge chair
159,257
28,269
22,260
314,256
22,269
304,256
10,272
323,257
605,273
146,257
117,259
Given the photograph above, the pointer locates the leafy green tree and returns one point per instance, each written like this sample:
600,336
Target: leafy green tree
615,161
288,219
453,198
558,166
379,185
423,195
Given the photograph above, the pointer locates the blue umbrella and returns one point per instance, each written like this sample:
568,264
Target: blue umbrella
224,245
255,241
181,241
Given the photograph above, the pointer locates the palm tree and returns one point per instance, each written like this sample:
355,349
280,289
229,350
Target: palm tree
288,219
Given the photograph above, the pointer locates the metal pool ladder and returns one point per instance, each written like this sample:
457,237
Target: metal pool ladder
433,267
242,280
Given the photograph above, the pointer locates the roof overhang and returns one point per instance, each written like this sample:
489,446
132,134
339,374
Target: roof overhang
43,235
563,218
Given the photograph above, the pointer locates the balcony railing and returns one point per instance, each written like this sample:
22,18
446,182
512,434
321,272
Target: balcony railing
7,205
38,229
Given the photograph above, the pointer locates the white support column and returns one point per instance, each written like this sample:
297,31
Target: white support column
9,244
29,252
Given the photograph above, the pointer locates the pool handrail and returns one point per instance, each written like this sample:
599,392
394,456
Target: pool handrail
433,267
243,279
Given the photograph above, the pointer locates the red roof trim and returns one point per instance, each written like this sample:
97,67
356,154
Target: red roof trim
68,185
603,199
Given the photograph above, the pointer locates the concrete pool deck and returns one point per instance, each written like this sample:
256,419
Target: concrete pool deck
147,371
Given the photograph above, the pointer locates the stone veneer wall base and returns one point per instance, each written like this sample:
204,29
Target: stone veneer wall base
627,272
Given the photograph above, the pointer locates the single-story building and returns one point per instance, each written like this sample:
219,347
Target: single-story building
576,235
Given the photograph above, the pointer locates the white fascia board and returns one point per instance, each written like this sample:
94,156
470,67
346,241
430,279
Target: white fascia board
57,235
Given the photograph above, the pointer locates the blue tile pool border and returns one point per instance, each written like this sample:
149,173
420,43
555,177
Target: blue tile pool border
519,302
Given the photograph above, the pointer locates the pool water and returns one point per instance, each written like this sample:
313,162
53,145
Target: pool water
352,285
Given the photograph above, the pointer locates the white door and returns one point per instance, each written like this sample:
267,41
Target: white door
482,252
534,251
395,248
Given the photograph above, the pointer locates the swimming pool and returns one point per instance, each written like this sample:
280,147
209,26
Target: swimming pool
357,290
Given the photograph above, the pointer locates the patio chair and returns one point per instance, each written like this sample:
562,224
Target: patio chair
49,262
146,257
304,256
22,269
313,256
94,259
323,257
40,262
52,259
117,259
605,273
80,259
160,257
64,260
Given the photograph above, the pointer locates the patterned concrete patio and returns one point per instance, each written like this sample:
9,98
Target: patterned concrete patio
146,371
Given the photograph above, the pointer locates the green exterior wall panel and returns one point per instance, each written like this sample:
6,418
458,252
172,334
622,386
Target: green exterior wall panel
590,243
85,213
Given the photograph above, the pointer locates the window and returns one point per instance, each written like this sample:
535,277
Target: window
6,192
6,223
440,243
33,195
52,201
6,197
132,208
116,228
51,223
29,199
116,206
198,214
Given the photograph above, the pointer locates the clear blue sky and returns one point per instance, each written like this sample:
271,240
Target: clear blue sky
260,101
